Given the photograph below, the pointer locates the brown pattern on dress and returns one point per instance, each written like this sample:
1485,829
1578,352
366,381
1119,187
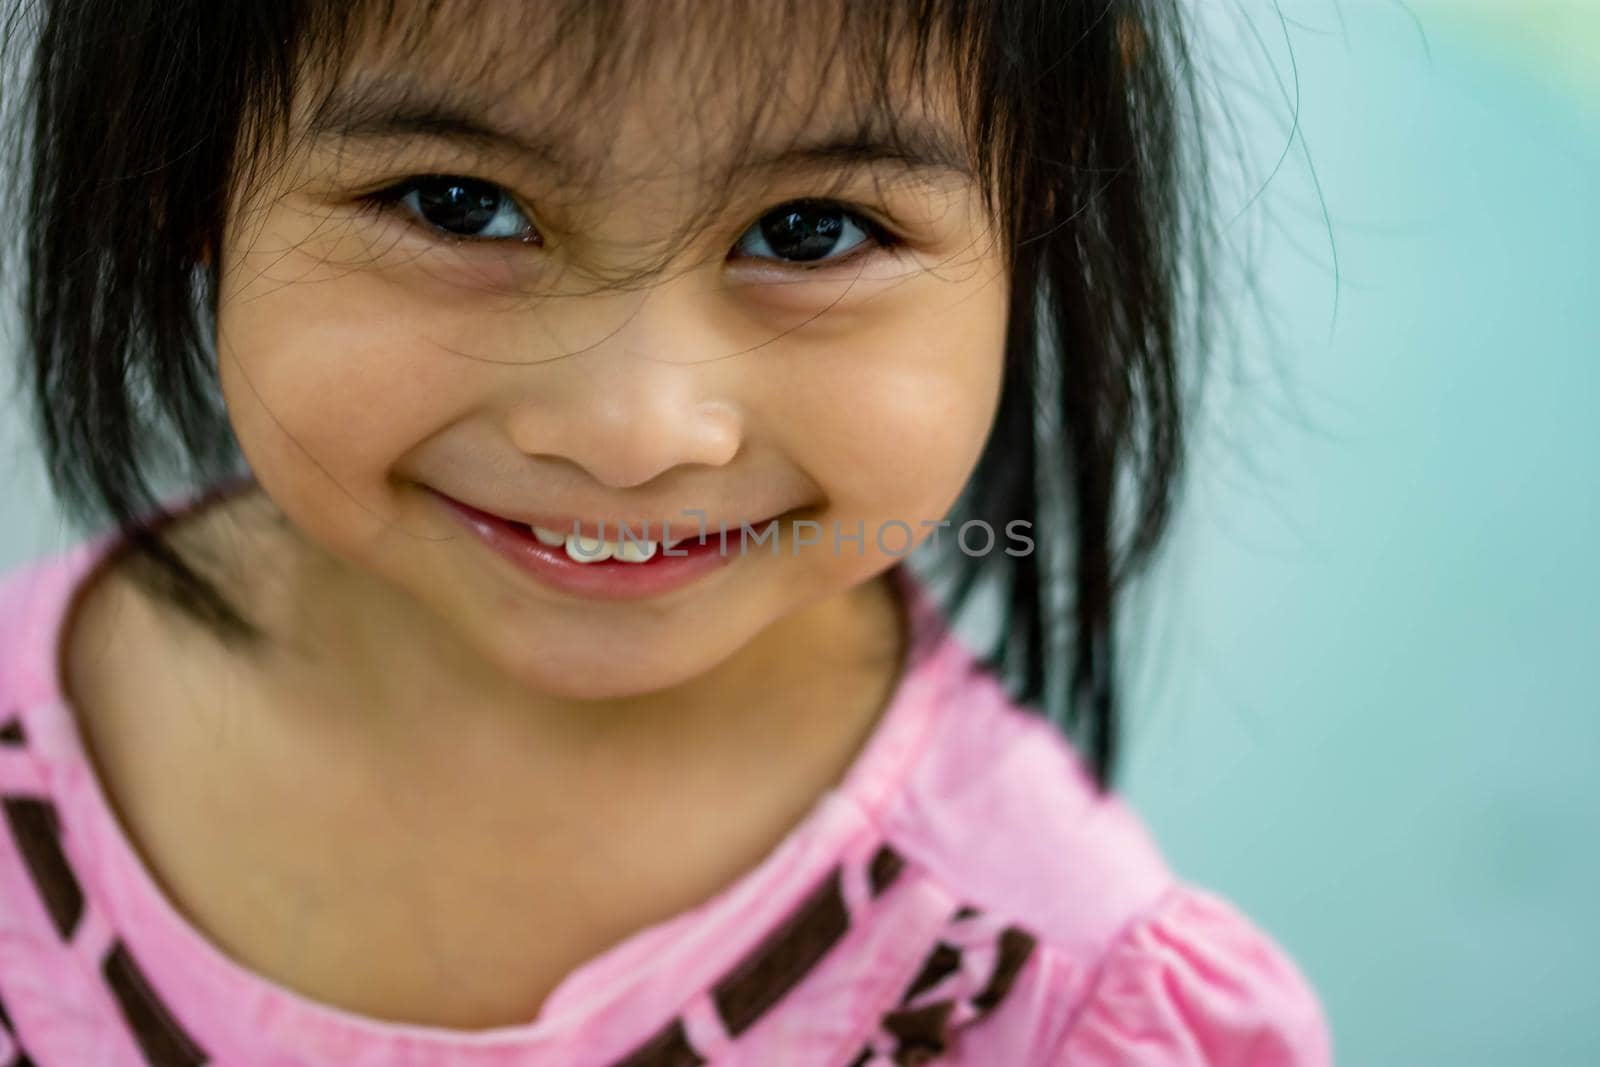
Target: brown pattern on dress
19,1056
11,732
746,992
163,1042
37,831
943,960
913,1033
884,869
1015,947
669,1048
920,1033
785,956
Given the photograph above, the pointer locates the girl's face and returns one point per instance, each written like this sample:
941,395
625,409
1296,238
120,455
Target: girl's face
387,339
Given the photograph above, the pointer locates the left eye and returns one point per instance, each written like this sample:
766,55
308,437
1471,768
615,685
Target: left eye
463,207
810,231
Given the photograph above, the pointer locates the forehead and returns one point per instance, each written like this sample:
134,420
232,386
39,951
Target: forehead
581,89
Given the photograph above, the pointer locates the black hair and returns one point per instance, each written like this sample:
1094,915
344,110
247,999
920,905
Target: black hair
137,119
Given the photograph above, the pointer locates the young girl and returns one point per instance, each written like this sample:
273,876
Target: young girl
511,424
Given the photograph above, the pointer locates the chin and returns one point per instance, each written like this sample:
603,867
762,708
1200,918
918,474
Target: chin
600,683
598,673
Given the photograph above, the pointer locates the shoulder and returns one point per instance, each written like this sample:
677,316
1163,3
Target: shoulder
1000,808
1137,965
37,596
42,901
34,597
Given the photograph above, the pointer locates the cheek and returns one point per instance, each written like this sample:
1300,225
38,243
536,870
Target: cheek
328,382
898,417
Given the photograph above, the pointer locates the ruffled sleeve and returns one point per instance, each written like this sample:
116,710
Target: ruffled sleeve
1194,983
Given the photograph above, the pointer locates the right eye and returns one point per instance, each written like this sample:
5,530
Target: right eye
467,209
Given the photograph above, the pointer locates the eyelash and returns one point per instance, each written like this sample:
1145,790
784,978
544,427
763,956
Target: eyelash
391,200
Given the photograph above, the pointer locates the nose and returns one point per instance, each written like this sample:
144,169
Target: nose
644,400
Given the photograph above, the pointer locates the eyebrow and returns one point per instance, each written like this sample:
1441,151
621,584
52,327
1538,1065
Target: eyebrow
395,109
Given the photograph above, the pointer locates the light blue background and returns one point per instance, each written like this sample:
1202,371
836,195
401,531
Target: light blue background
1369,702
1365,699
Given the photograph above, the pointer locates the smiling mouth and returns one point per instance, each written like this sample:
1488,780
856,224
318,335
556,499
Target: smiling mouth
582,549
625,544
639,550
593,570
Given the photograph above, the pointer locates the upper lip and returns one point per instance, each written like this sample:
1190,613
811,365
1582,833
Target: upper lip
681,526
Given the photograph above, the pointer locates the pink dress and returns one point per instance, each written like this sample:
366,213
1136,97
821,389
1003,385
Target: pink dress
960,897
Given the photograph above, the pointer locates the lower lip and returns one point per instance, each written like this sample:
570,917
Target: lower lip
608,579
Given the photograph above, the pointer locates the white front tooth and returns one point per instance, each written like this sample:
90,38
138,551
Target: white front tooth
552,538
588,549
634,551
